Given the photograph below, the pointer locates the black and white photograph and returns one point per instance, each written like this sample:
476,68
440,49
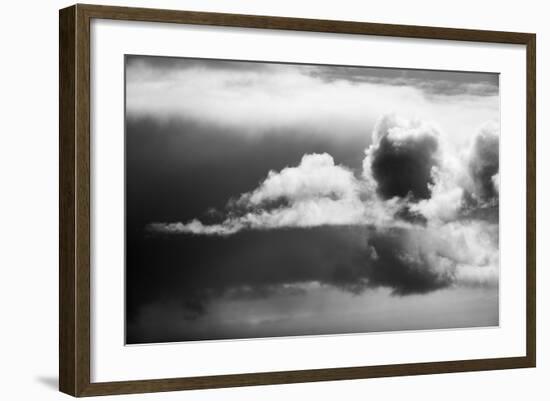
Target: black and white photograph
274,199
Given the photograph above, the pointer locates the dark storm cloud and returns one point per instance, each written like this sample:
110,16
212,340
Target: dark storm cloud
405,271
400,170
484,164
192,272
402,163
164,65
446,83
430,82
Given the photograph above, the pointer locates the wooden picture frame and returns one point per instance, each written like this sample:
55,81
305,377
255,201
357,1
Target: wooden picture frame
74,193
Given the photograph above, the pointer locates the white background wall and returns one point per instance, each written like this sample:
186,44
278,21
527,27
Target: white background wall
29,185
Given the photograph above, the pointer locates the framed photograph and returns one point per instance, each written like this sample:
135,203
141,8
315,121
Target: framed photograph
250,200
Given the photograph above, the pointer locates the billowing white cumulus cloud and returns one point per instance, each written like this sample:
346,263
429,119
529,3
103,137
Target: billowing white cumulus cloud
315,177
437,196
466,177
445,201
316,192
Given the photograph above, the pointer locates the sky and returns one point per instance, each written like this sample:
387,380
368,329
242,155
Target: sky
272,199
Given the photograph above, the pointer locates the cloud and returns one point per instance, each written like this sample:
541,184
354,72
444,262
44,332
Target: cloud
249,98
446,198
196,227
401,157
466,181
316,176
484,162
405,265
430,82
316,192
424,259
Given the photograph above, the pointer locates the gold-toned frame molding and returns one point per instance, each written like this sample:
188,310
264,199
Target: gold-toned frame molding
74,199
